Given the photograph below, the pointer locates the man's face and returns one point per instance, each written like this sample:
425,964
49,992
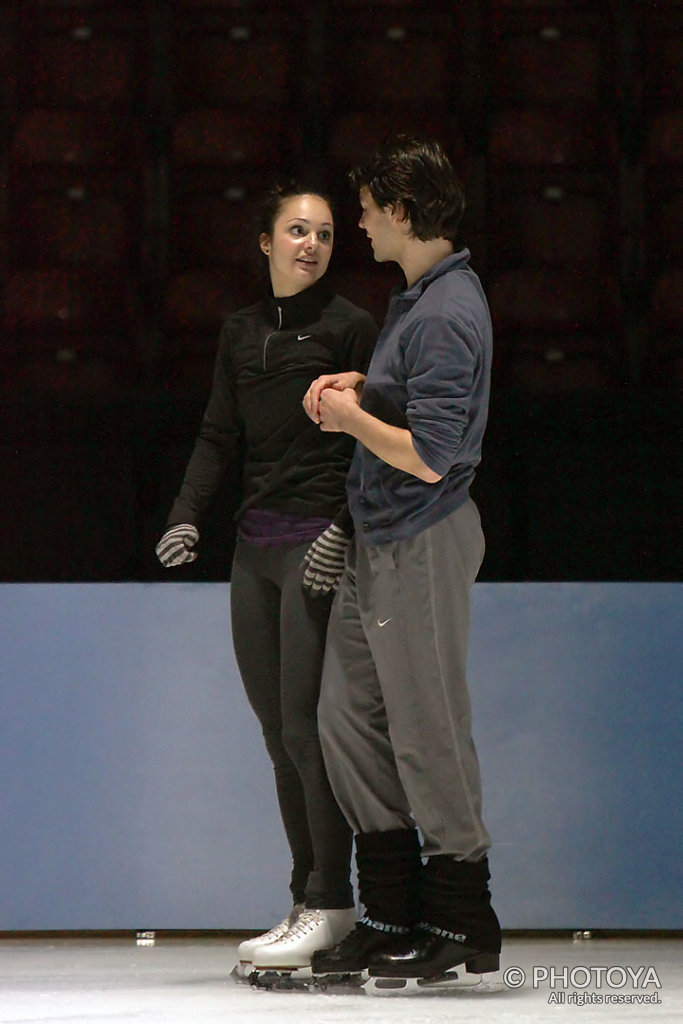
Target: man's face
380,225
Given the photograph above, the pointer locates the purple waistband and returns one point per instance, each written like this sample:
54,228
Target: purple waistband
266,527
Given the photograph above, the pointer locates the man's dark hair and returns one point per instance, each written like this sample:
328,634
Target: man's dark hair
417,173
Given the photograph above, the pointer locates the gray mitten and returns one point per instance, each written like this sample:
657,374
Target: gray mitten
175,547
324,561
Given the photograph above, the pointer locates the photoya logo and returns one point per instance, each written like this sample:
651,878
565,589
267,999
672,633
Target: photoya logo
598,977
581,977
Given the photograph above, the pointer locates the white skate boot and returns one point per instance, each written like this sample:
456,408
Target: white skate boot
243,967
274,962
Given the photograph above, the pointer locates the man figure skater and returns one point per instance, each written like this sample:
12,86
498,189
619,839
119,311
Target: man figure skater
394,711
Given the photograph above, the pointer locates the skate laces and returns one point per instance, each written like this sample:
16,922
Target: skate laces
306,922
276,932
295,913
281,929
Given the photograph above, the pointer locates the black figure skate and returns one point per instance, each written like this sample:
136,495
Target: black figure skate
344,967
428,958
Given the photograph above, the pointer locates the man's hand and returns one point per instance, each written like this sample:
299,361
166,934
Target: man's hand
338,381
336,409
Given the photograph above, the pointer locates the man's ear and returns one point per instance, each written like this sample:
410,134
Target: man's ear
399,217
398,212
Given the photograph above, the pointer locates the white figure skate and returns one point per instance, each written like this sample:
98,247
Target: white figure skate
286,962
243,968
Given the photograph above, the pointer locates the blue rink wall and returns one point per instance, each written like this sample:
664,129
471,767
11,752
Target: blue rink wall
136,791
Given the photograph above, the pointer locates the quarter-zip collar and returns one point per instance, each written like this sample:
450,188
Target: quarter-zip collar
297,310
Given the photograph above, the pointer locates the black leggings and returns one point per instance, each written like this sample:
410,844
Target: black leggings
279,639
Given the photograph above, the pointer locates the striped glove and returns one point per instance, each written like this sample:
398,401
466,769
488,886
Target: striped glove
175,546
324,561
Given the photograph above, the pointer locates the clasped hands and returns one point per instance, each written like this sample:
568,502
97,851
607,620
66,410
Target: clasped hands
333,400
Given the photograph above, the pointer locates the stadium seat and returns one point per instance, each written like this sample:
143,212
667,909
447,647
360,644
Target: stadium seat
662,229
87,57
58,300
240,62
565,363
557,328
352,135
197,301
398,5
70,512
544,137
70,374
369,288
551,58
69,332
196,304
663,359
664,145
227,5
551,225
553,300
394,63
661,29
40,8
73,138
85,223
220,138
552,5
214,224
663,362
666,312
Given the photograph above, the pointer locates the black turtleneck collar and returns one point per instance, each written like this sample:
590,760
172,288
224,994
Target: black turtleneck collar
298,310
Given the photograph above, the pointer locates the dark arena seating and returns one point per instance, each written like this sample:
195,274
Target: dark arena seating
136,140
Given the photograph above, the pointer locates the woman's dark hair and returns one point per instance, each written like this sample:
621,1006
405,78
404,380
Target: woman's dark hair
277,196
417,173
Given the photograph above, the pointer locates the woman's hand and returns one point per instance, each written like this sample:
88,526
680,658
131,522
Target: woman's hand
338,381
177,545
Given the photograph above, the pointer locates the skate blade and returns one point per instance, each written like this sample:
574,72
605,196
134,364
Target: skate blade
340,984
447,982
241,972
450,979
295,979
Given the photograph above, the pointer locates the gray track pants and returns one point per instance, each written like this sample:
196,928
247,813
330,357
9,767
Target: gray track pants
394,710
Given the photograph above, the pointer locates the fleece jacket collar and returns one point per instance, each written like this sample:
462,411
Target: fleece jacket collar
298,310
456,261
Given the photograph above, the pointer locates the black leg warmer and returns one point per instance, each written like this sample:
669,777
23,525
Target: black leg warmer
455,898
389,868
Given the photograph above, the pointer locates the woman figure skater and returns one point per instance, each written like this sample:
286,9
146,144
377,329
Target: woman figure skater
292,523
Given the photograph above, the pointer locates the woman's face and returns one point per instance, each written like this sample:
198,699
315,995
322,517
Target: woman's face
300,246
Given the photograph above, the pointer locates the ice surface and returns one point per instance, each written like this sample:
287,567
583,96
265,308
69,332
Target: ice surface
186,981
